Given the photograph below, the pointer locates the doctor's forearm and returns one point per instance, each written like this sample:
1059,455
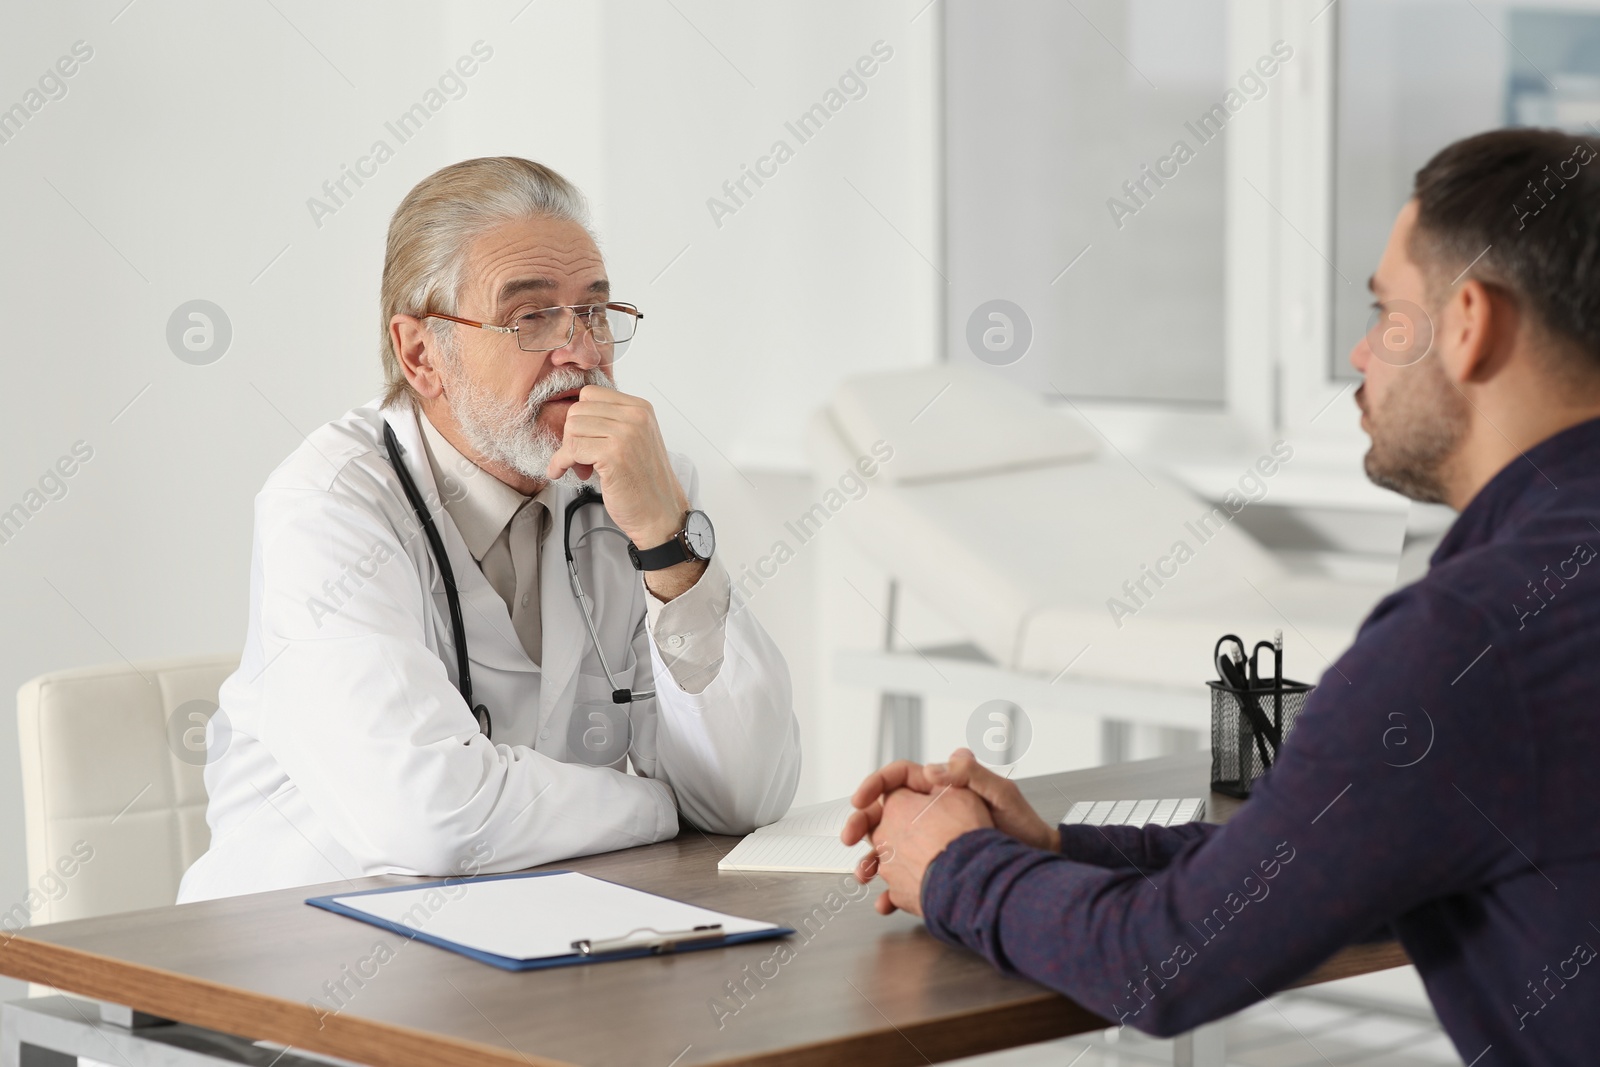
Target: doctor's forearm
732,754
727,739
690,632
669,583
570,810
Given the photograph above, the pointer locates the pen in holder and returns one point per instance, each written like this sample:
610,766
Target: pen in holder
1250,715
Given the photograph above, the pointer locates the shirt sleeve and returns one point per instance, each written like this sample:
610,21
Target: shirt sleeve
726,740
1353,826
1148,848
690,630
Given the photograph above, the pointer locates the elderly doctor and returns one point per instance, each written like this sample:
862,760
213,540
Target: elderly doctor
345,745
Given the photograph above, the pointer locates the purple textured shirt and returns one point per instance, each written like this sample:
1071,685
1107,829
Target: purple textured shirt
1441,786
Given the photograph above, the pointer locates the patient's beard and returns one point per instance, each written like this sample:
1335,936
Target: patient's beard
1415,432
511,433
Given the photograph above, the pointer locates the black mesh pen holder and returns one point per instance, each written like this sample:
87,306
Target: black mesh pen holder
1247,729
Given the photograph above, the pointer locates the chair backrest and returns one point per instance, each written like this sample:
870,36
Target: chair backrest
113,762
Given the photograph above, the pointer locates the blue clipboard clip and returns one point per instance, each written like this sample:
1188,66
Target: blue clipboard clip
649,939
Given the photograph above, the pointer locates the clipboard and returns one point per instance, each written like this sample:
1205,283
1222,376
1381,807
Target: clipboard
537,920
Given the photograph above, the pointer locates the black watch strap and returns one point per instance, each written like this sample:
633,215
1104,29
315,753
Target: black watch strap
660,557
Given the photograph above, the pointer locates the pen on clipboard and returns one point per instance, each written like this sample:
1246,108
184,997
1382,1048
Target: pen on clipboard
657,941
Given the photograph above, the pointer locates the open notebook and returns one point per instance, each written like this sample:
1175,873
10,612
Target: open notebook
805,840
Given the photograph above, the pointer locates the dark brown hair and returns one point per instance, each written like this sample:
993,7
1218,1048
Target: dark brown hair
1531,197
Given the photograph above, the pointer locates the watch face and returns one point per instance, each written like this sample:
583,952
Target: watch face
698,533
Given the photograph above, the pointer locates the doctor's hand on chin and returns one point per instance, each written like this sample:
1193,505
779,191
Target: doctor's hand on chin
615,436
912,811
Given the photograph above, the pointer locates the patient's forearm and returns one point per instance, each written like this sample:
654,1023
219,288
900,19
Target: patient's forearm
1148,848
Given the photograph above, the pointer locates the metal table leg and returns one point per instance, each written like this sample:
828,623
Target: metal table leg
1204,1046
55,1031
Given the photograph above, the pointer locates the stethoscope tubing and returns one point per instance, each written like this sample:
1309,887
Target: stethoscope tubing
441,559
458,629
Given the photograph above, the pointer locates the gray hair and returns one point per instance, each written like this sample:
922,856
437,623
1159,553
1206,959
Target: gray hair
435,225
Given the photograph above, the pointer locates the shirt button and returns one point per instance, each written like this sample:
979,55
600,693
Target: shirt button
675,641
544,735
525,599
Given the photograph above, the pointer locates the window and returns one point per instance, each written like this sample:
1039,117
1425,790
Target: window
1058,119
1414,75
1224,304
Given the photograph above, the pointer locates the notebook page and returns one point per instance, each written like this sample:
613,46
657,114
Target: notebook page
800,853
826,819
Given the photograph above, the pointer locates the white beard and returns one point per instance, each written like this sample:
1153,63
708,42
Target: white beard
511,433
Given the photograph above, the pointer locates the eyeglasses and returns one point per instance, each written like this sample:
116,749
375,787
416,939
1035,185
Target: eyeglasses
548,329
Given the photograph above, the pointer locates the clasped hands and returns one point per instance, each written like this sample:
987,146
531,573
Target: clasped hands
911,811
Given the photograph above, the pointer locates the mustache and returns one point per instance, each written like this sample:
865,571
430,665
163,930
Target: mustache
560,381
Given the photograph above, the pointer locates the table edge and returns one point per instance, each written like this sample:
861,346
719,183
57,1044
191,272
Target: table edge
241,1012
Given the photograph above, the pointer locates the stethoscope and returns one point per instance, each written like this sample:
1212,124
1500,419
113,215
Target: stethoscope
620,694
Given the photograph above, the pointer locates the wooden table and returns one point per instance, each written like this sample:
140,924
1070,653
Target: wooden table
859,988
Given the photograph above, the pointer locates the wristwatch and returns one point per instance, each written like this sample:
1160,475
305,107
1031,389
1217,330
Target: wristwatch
697,540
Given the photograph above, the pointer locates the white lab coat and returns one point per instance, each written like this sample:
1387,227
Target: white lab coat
342,747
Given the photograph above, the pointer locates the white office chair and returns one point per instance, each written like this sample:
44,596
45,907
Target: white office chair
112,769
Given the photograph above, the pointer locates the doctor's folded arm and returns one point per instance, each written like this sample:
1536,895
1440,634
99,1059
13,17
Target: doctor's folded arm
489,627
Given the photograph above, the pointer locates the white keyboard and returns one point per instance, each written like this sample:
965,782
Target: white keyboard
1136,812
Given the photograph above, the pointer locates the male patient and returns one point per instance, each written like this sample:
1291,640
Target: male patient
1440,785
347,743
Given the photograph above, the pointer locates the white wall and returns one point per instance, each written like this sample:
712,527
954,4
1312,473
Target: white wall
179,165
824,269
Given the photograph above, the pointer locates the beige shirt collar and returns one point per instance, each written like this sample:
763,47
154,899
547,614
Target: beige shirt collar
487,504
